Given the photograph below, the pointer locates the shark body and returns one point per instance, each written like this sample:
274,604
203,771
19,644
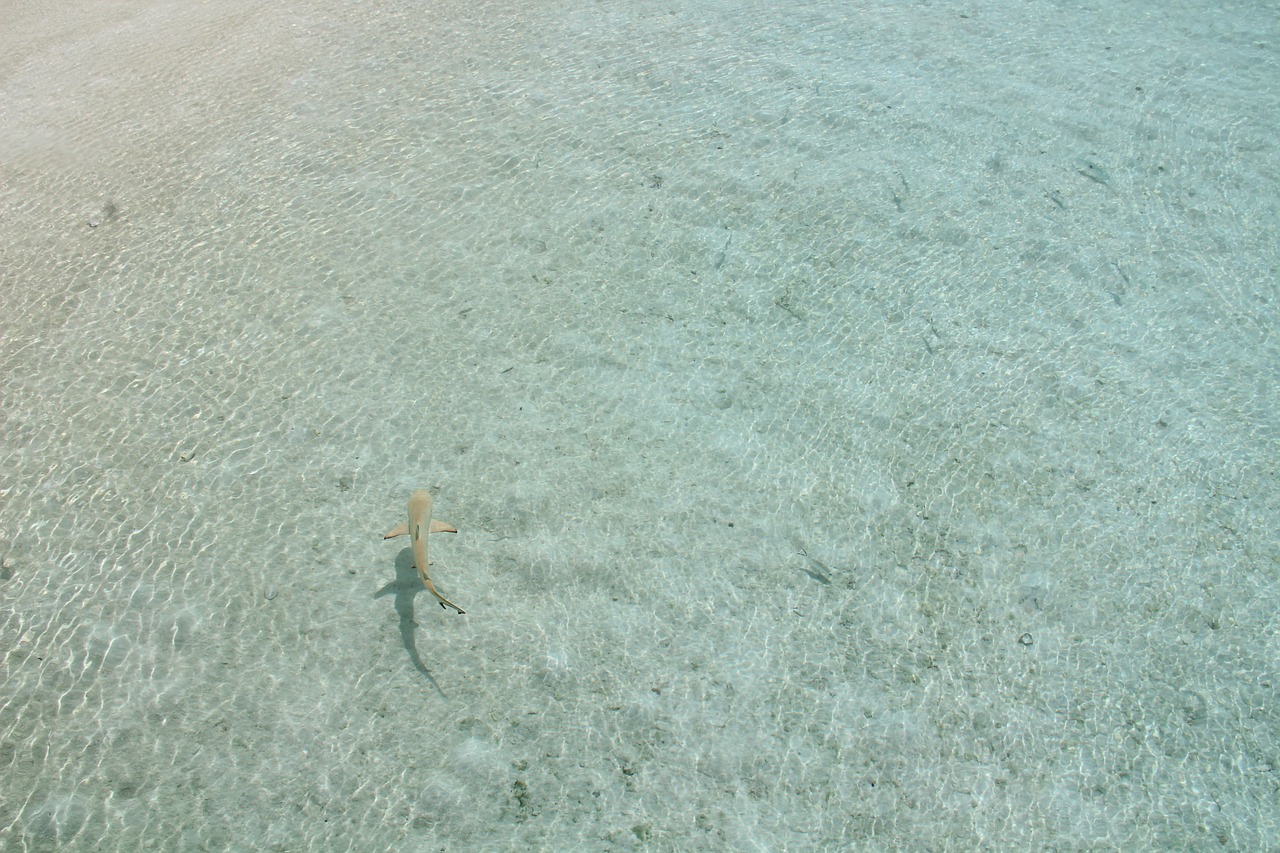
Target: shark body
417,527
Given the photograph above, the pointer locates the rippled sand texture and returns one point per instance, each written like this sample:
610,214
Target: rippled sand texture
859,422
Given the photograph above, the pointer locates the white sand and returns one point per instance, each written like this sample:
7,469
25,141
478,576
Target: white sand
973,304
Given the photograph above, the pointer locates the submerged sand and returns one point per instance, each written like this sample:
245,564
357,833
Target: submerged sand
859,421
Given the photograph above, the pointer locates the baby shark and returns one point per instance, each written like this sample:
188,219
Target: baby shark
418,526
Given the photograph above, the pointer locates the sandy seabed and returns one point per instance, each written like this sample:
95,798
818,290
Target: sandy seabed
860,421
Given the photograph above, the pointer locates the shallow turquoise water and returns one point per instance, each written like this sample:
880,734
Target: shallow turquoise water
859,422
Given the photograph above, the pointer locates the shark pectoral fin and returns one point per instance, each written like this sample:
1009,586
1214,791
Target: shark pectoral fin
398,530
442,527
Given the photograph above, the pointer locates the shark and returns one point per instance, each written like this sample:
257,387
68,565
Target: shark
417,527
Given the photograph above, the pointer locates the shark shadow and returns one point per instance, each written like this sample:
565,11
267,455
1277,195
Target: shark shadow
407,585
